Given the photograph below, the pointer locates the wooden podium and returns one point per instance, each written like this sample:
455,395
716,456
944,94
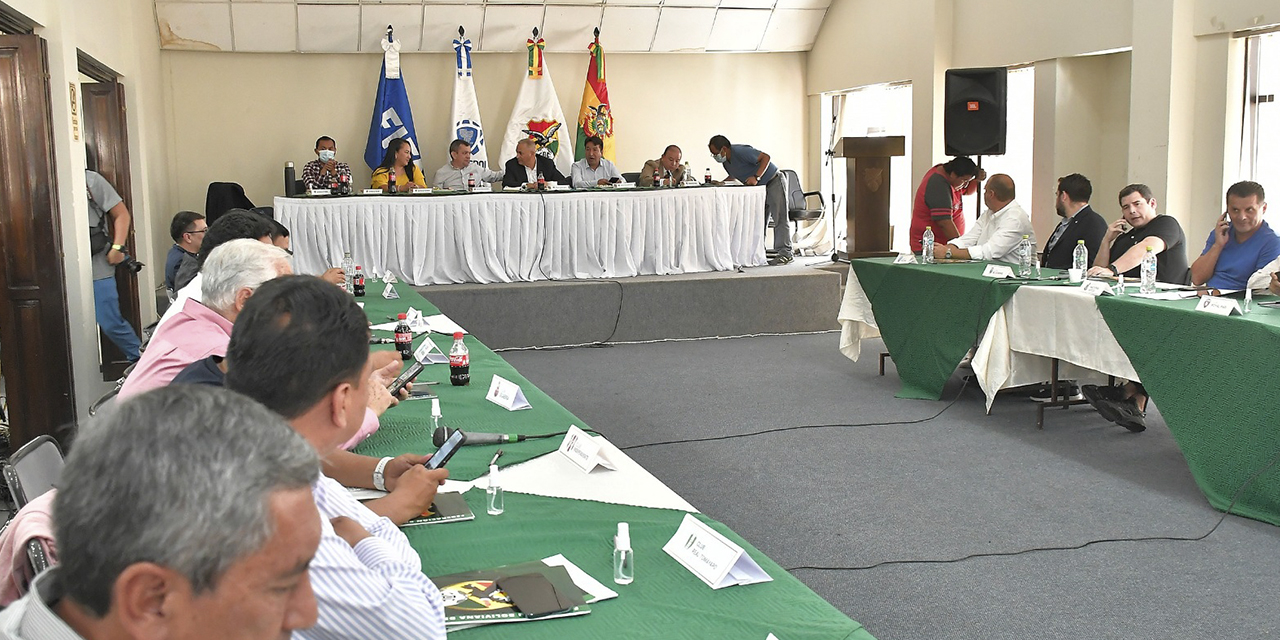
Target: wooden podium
867,181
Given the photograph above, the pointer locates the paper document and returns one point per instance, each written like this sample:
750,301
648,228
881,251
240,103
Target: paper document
449,486
593,587
1167,295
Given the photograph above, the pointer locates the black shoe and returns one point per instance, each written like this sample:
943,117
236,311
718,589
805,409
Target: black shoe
1067,391
1104,400
781,259
1131,417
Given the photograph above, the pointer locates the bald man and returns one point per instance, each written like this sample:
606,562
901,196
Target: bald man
996,234
524,169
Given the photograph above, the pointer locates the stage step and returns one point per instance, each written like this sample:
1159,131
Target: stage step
783,299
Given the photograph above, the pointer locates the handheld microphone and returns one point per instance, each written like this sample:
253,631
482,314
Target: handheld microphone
442,433
382,340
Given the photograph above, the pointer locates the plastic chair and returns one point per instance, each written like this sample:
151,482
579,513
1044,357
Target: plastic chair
30,472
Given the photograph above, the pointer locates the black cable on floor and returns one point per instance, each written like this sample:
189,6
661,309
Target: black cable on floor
802,426
999,554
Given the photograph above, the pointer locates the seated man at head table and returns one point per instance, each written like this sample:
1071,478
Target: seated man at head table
139,555
524,169
1079,222
460,173
1240,244
751,167
325,170
187,228
667,168
939,204
202,327
998,231
1123,247
594,170
301,348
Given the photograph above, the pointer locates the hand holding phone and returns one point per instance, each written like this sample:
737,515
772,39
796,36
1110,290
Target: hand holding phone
446,450
404,378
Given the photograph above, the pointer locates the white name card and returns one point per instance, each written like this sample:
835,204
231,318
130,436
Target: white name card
390,292
905,258
1219,306
372,192
506,394
418,191
559,187
715,559
583,450
429,353
997,271
1096,288
319,192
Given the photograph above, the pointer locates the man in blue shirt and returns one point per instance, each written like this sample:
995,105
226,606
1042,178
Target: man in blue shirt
751,166
187,230
1240,244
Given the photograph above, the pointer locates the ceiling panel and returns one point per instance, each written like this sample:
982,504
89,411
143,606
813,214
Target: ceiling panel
568,28
265,26
406,21
792,29
440,25
629,28
746,4
508,28
328,28
803,4
199,27
738,29
683,29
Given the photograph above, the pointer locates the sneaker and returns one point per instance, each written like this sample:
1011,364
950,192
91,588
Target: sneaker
1131,417
1104,399
781,259
1067,391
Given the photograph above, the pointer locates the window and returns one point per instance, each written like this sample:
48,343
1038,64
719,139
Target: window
1260,161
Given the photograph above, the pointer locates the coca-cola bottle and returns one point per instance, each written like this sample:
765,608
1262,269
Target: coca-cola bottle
404,338
459,362
357,283
391,181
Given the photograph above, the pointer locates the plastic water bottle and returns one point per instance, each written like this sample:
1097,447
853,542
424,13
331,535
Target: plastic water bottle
459,362
348,272
926,245
1148,272
1080,257
493,493
624,559
1024,257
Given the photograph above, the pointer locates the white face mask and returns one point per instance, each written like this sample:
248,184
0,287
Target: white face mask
720,158
326,155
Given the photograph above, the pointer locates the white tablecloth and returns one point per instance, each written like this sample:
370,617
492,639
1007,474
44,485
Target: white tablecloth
510,237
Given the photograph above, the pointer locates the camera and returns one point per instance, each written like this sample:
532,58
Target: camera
131,264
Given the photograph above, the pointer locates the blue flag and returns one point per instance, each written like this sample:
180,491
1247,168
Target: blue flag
391,115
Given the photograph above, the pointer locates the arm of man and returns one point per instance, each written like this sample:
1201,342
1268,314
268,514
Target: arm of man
491,176
1008,234
646,174
374,588
579,179
442,175
1202,269
762,165
960,246
1261,278
1133,257
120,220
514,175
613,173
937,196
1103,259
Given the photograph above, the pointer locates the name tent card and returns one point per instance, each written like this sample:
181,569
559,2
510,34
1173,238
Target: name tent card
905,258
319,192
584,451
997,271
715,559
1219,306
506,394
1095,288
390,292
371,192
429,353
418,191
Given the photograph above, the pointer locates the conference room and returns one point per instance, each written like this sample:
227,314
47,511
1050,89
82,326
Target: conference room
767,383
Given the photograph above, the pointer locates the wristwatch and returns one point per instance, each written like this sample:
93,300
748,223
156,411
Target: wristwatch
118,247
1114,270
948,256
380,480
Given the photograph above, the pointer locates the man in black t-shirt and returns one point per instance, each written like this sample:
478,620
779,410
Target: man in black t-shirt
1121,251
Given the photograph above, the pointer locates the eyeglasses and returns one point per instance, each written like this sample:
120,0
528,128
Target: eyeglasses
197,231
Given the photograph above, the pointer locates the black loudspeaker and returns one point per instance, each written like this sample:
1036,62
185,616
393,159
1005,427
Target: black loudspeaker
974,122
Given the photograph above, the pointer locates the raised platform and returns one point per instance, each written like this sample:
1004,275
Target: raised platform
791,298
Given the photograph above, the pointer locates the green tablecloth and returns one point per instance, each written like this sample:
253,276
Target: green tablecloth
1212,379
665,601
407,428
929,316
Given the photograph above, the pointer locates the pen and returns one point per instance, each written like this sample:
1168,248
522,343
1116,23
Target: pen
495,458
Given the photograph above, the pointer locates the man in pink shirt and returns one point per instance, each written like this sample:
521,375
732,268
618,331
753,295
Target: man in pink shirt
202,329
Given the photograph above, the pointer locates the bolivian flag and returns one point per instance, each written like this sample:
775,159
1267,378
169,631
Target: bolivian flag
595,118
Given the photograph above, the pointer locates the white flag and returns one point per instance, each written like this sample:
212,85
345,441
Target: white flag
538,115
466,112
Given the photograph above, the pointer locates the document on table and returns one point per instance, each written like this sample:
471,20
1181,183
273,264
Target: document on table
1166,295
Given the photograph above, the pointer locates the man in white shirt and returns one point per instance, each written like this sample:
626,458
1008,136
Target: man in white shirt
997,232
301,348
460,174
594,170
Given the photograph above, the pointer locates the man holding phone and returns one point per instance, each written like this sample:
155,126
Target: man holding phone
301,348
1240,244
1141,226
594,170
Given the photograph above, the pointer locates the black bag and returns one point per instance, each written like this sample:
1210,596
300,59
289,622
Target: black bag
99,235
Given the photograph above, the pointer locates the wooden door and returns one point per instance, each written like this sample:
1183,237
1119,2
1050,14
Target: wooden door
35,339
107,145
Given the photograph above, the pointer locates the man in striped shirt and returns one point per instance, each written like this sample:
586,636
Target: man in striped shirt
301,347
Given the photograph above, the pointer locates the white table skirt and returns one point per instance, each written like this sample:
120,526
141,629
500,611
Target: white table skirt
511,237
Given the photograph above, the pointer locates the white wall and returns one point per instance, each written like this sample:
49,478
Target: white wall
240,117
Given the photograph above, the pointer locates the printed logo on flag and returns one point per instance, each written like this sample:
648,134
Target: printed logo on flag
471,133
543,134
599,121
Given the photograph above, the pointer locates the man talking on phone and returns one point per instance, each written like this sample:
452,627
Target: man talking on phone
1240,244
301,347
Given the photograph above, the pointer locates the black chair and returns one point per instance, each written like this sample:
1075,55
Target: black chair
30,472
631,176
798,199
223,197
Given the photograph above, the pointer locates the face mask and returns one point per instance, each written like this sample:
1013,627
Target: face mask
326,155
720,158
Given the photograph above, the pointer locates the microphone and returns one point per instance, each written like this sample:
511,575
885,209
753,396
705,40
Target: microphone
382,340
442,433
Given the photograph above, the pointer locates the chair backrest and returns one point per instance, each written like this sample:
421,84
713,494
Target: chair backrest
223,197
631,176
33,469
795,190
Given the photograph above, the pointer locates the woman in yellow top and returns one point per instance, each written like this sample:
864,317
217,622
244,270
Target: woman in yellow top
399,159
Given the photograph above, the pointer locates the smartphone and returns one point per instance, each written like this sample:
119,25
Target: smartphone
446,450
404,378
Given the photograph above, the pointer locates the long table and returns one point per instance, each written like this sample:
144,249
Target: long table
514,236
551,509
1210,375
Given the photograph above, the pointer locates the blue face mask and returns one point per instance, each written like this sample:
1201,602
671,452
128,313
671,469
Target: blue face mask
720,157
326,155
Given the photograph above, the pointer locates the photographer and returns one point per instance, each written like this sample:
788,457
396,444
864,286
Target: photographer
109,223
